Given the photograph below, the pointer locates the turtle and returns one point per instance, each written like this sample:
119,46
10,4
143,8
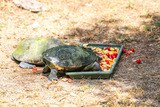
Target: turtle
69,58
29,51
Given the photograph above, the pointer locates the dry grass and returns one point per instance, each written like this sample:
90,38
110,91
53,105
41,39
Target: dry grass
129,22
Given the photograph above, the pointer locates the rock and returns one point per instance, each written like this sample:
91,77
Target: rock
31,5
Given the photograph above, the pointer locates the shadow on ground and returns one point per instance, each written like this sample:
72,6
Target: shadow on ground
143,77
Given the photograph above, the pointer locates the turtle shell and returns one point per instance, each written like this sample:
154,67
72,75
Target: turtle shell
30,50
68,58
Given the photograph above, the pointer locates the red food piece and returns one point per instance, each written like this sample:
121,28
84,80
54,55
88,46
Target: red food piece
132,49
108,54
138,61
107,61
115,54
108,48
127,54
34,69
112,56
124,51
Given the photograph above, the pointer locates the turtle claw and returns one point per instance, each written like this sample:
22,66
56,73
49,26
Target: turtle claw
26,65
53,75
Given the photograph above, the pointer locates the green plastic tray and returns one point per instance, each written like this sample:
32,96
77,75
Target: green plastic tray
97,74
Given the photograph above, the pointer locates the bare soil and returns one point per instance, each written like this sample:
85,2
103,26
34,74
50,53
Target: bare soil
127,22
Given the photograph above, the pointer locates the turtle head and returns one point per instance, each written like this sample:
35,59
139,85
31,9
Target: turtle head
98,58
52,64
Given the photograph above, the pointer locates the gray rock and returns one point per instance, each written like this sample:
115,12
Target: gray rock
31,5
26,65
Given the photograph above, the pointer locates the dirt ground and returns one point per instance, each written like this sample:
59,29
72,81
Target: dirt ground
128,22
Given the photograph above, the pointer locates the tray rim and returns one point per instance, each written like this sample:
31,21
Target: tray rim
99,72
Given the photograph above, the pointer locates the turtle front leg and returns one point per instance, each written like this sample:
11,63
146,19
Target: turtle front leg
53,74
46,71
93,67
50,73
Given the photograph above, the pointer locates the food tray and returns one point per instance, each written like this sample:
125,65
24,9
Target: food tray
97,74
